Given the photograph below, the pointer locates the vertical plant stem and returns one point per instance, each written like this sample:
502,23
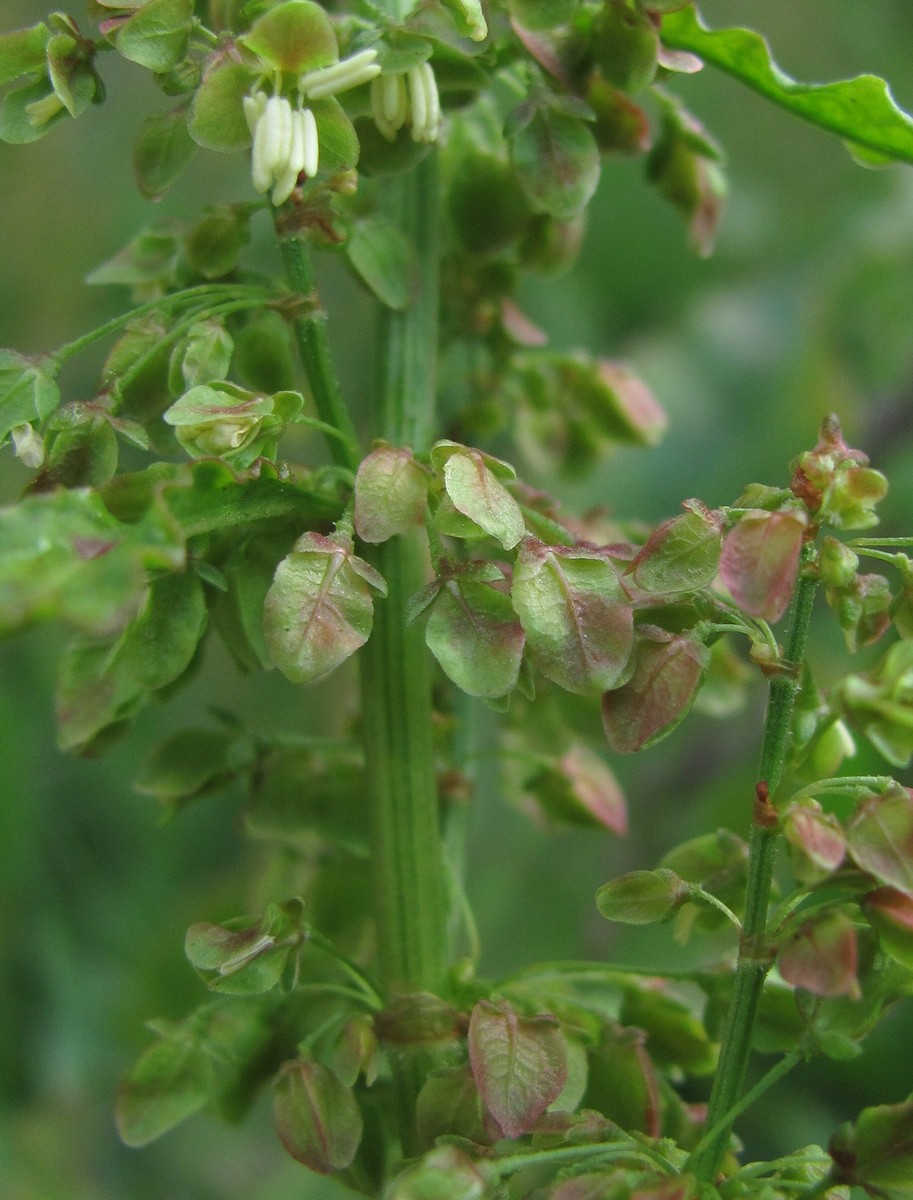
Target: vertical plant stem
755,955
409,873
314,348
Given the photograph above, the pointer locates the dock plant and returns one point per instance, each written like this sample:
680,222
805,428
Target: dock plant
220,484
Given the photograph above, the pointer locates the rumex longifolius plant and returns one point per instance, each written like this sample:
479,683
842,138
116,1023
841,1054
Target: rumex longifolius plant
443,152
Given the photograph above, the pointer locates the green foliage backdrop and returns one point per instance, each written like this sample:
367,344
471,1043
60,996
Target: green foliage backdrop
805,307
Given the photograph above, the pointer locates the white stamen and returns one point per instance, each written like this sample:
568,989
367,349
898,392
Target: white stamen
419,103
253,109
389,104
433,101
311,147
348,73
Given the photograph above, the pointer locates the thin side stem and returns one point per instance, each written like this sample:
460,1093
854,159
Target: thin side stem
216,292
314,347
777,1072
755,955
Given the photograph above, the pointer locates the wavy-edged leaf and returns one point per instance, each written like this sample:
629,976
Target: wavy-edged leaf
22,52
578,622
861,110
162,151
317,1117
63,555
519,1064
28,390
157,34
383,258
170,1082
475,636
318,610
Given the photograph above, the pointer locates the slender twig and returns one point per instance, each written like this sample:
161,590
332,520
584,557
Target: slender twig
755,955
314,347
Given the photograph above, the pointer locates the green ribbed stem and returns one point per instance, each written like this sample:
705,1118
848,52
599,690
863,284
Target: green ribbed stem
755,955
409,874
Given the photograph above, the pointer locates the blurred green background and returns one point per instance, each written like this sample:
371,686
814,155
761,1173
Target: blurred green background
806,307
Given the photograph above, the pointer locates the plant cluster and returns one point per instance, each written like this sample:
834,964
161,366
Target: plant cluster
459,141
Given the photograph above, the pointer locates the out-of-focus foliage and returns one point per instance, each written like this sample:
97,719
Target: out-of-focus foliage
804,308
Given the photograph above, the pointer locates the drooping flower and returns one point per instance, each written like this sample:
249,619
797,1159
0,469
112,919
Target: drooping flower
409,97
285,137
285,144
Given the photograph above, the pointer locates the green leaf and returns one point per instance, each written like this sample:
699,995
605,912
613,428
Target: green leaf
217,119
82,455
213,247
149,259
241,959
890,913
859,110
157,34
170,1082
302,791
317,1117
384,259
623,1083
760,560
877,1153
680,555
557,163
821,956
643,897
579,624
102,684
203,356
63,555
675,1036
444,1173
391,493
28,113
339,147
318,611
28,391
880,838
658,695
580,789
478,494
208,496
22,52
449,1103
294,36
162,151
475,636
186,765
519,1064
72,78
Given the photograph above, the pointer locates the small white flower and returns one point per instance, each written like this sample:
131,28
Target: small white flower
285,138
408,98
285,144
28,446
389,104
426,105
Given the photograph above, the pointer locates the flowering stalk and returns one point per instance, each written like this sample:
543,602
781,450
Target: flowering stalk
755,959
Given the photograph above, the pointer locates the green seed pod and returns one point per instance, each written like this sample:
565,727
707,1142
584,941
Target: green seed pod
626,46
487,206
550,246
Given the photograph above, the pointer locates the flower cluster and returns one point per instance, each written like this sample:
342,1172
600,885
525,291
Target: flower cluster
410,97
285,141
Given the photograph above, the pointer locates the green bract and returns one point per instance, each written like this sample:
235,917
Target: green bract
230,422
